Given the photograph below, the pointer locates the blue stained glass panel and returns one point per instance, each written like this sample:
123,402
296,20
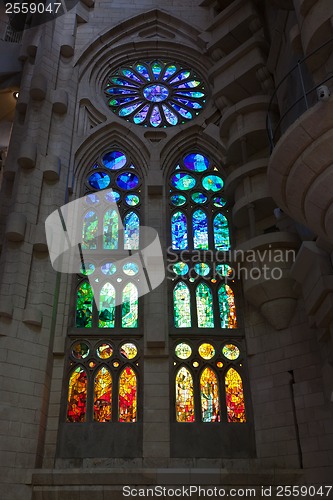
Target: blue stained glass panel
155,118
120,100
182,76
131,231
121,81
170,70
190,104
131,75
196,162
114,160
155,92
156,69
219,202
188,85
179,231
130,269
169,115
108,268
202,269
181,268
92,199
99,180
127,110
89,231
199,198
117,91
127,180
183,182
221,232
141,115
112,196
200,230
189,93
132,200
183,112
142,69
212,183
178,200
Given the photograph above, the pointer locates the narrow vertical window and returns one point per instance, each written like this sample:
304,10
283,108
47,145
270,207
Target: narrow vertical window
129,308
179,231
182,306
131,231
110,230
127,395
184,396
89,231
103,396
107,304
200,230
227,307
205,311
77,396
84,306
234,396
221,232
209,391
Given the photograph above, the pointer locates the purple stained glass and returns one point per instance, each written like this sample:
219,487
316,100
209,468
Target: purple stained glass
112,196
200,230
182,181
130,74
114,160
156,92
99,180
127,180
155,118
128,110
179,231
196,162
141,115
169,115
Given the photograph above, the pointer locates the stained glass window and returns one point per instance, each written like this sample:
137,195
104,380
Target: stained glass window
107,306
77,396
209,391
179,231
89,231
184,396
110,230
131,231
103,396
221,232
234,396
129,307
127,395
227,307
205,311
155,93
200,230
182,306
84,305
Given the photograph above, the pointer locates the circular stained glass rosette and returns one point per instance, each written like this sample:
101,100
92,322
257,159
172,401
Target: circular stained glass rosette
155,93
224,270
182,181
128,350
80,350
132,200
212,183
99,180
108,269
114,160
199,198
183,351
127,181
104,351
219,202
230,351
130,268
88,268
112,196
202,269
206,351
92,199
196,162
178,200
180,268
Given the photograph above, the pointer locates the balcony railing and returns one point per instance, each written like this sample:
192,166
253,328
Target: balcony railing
296,93
7,34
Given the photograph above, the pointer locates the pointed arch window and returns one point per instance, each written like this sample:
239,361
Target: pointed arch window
77,395
128,395
103,395
234,396
200,230
205,311
209,393
179,231
184,396
182,305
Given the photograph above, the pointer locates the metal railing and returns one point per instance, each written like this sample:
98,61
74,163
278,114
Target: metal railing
295,94
8,34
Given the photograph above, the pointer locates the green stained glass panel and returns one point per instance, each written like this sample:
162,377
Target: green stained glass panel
212,183
227,307
200,230
89,231
107,306
204,301
180,268
221,232
132,230
202,269
182,306
129,308
110,230
84,305
178,200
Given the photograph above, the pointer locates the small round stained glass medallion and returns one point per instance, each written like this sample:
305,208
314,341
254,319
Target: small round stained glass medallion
104,351
183,350
127,181
199,198
230,351
88,268
212,183
178,200
224,270
196,162
202,269
92,199
80,350
155,92
108,268
112,196
219,202
181,268
132,200
130,268
99,180
114,160
206,351
128,350
183,181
